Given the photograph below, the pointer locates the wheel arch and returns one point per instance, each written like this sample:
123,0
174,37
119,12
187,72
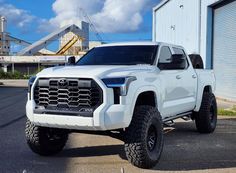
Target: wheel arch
146,98
144,93
207,88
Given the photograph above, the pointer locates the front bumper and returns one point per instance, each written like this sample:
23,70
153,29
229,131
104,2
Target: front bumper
104,118
107,116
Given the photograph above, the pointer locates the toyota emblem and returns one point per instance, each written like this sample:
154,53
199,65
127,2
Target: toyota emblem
62,82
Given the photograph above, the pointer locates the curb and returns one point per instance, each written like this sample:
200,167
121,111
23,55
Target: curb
14,83
225,100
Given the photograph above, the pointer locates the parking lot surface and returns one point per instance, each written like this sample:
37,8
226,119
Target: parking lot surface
184,148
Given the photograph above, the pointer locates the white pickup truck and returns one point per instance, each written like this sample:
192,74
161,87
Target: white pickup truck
126,90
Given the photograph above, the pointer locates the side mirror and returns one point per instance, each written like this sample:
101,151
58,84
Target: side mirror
71,60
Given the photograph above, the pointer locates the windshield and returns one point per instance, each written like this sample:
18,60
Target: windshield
119,55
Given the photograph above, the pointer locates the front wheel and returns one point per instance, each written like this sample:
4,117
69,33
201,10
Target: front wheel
45,141
206,118
144,137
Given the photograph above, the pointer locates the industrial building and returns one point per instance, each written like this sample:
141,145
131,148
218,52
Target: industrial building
73,40
206,27
30,64
6,40
80,43
77,34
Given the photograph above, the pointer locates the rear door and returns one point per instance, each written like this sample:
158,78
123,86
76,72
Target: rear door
187,84
177,81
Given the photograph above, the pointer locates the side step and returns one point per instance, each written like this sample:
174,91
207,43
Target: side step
187,118
169,121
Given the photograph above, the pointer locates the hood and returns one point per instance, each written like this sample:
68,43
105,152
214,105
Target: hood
94,71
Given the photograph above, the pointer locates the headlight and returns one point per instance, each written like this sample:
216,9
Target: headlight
120,82
30,83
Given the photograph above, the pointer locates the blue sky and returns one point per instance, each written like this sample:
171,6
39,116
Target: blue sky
119,20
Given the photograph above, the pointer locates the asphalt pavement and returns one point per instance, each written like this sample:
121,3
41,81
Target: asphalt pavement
185,150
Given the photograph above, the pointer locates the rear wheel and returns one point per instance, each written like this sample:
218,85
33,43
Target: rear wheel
144,137
206,118
45,141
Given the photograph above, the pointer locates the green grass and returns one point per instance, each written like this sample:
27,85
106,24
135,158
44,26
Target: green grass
10,75
227,112
234,108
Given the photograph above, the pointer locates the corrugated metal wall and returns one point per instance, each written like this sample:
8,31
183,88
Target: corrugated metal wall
178,22
224,50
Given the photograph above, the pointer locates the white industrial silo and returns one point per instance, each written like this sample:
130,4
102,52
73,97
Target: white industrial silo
4,39
3,24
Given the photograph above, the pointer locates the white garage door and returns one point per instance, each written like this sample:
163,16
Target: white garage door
224,50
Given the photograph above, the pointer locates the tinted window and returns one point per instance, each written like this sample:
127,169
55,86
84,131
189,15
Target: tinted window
164,58
165,55
167,61
119,55
178,51
184,63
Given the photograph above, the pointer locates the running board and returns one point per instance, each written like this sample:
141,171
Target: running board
186,118
169,123
183,115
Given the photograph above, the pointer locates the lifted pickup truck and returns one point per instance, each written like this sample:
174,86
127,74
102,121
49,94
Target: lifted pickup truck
126,90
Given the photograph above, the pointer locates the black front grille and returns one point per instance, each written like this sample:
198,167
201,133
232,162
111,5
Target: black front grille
67,95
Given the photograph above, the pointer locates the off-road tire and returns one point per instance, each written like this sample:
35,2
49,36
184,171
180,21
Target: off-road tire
137,148
206,118
45,141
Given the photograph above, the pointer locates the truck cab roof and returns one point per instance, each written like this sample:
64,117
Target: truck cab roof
138,43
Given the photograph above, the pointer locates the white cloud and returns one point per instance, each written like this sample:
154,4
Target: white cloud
109,16
23,19
68,11
17,17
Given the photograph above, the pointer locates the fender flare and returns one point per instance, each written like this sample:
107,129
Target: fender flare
139,91
200,94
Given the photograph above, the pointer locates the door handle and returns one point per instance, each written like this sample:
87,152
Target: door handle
194,76
178,77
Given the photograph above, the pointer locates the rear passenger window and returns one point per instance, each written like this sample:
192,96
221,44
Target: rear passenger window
167,61
178,51
184,63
